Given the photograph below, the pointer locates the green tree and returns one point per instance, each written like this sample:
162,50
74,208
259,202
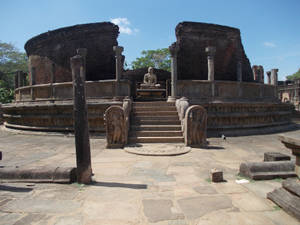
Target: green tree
159,59
294,76
11,60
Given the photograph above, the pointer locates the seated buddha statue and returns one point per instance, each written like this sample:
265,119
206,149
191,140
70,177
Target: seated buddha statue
150,79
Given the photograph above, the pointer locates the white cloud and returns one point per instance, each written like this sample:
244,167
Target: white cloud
124,25
269,44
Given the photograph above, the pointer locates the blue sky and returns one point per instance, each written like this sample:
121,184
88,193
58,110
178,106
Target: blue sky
270,29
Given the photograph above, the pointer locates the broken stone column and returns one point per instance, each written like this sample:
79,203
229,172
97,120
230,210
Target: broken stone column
195,123
274,76
81,128
173,50
119,67
210,50
269,77
258,73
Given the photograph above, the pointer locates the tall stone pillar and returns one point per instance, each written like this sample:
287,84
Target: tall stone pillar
261,77
269,77
210,50
81,128
274,76
17,80
119,67
173,50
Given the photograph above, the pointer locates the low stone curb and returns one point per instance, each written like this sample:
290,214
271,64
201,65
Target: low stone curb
39,175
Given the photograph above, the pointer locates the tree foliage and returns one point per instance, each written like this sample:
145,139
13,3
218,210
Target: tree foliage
159,59
294,76
11,60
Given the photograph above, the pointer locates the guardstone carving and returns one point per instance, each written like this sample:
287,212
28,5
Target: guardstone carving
195,126
115,127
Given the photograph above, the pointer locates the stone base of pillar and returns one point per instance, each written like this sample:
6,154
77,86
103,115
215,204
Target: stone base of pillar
171,99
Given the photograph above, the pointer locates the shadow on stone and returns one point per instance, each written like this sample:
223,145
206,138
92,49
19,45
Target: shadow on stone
211,147
119,185
14,189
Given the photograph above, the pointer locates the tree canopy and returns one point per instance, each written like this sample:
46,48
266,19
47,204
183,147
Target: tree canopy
294,76
11,60
159,59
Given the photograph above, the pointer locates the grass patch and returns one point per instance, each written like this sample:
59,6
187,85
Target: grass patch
208,180
240,177
276,208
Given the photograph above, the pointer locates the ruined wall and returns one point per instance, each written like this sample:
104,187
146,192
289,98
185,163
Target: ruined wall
50,52
193,38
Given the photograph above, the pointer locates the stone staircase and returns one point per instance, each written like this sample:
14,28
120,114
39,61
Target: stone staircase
155,122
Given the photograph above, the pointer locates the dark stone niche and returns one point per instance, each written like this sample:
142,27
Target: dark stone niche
193,38
49,53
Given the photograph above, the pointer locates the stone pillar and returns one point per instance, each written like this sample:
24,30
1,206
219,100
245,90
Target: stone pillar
210,50
119,67
255,73
17,84
269,77
81,128
118,50
173,50
261,78
274,76
32,82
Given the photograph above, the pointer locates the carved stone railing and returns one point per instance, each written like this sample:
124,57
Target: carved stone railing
117,122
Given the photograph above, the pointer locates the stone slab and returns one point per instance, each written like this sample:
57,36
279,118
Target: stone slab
268,170
196,207
160,210
276,156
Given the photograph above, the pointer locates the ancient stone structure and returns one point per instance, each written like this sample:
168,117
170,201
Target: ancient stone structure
49,53
115,127
193,38
81,126
221,81
195,126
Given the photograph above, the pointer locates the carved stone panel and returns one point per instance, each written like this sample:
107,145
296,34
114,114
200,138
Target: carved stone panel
195,126
115,127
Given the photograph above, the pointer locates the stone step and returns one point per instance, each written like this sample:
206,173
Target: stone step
155,133
156,127
153,108
154,103
155,122
286,200
154,117
156,113
156,139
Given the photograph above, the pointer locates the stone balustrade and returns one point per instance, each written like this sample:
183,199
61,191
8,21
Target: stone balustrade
104,89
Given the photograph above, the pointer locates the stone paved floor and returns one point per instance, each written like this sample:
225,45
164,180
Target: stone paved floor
134,189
